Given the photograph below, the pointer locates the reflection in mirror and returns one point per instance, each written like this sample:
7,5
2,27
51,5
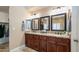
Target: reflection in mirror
44,23
35,24
58,22
28,25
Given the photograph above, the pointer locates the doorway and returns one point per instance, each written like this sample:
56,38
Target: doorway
75,29
4,28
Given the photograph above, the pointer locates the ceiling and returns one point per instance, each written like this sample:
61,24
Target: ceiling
4,9
34,8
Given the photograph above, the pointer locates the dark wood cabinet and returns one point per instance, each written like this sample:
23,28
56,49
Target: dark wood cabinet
62,48
26,37
51,44
63,45
57,44
27,40
47,43
30,41
36,42
51,47
43,43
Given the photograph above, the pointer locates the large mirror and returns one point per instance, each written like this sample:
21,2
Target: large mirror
28,25
44,23
35,24
58,22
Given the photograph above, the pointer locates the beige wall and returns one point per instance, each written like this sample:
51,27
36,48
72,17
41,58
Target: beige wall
4,17
16,14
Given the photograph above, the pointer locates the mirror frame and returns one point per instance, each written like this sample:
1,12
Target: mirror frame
64,21
48,22
33,25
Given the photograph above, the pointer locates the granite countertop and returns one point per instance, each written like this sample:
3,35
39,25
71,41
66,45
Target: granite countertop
48,34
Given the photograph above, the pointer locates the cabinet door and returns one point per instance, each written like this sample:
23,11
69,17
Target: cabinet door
30,41
43,44
63,45
36,42
26,39
51,47
51,44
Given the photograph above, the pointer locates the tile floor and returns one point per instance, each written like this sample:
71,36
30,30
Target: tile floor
25,49
5,48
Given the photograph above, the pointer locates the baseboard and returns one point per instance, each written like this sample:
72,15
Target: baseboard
17,48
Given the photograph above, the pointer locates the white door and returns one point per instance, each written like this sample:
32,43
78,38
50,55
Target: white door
75,29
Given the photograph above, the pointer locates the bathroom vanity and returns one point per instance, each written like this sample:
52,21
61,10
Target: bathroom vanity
43,42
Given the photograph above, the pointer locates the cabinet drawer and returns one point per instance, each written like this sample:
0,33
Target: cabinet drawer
63,40
43,37
51,39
